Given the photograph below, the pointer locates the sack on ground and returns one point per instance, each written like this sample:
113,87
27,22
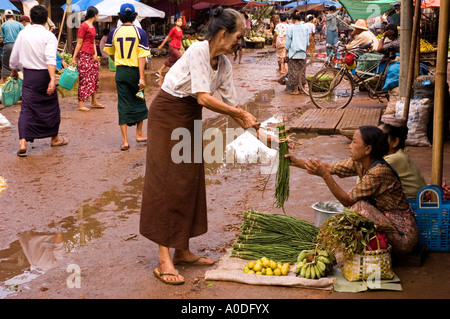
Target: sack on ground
418,118
375,265
12,92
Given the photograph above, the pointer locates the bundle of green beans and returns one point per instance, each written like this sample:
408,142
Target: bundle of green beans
275,236
282,176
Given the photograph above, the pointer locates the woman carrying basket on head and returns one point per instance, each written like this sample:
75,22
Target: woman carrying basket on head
174,195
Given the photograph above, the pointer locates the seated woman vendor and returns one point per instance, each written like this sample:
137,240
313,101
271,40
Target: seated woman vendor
410,175
378,194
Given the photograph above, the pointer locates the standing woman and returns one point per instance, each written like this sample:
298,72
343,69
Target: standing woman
85,55
174,195
297,41
175,35
279,43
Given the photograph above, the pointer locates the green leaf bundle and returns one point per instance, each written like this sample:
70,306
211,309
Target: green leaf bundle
275,236
282,176
347,231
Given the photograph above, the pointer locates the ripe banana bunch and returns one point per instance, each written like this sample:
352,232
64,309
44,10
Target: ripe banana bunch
315,263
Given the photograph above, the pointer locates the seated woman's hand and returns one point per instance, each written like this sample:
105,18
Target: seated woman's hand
316,167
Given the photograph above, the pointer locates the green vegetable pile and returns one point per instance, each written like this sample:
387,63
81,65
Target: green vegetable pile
347,231
275,236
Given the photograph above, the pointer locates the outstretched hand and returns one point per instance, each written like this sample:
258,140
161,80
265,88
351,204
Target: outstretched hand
316,167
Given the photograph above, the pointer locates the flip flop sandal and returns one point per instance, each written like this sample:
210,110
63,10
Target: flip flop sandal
195,262
62,143
160,275
125,148
22,153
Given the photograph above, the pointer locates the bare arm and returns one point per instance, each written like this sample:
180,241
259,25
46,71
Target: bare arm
318,168
167,39
244,119
77,50
141,73
51,85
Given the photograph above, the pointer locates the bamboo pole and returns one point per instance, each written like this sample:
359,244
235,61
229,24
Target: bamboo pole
412,58
62,23
440,93
406,15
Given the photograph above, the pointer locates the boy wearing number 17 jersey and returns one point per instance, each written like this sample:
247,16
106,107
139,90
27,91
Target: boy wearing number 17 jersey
128,46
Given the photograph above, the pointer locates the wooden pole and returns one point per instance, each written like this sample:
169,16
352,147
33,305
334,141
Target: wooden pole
62,23
69,33
406,18
417,58
440,93
412,58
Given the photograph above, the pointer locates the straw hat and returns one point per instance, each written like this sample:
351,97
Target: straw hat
360,24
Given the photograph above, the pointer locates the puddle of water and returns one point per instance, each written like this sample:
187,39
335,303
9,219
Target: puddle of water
38,251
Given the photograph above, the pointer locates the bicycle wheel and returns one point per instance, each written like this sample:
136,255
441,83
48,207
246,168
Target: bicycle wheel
331,88
307,73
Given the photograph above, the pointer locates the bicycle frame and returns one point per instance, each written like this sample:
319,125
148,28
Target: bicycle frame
368,75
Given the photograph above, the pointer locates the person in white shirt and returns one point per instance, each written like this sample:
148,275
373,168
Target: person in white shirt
35,53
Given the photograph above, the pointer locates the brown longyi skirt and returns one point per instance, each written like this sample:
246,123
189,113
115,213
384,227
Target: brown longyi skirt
174,196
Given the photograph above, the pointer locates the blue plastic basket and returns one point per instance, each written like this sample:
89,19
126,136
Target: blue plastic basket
433,220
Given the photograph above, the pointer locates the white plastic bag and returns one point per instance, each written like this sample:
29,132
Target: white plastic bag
418,117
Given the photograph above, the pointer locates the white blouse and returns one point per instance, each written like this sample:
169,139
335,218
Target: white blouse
193,73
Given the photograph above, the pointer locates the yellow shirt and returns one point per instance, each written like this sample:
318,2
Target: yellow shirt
410,175
127,44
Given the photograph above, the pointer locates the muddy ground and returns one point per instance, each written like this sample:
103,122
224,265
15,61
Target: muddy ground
89,193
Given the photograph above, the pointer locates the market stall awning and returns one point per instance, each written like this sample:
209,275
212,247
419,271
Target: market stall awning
112,7
6,5
358,9
430,3
82,5
312,4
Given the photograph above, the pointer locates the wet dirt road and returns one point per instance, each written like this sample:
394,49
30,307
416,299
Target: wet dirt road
85,197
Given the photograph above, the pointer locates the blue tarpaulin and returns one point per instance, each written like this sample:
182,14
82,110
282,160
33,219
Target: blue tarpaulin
306,2
82,5
6,5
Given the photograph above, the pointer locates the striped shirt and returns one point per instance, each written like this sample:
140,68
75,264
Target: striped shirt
127,44
379,184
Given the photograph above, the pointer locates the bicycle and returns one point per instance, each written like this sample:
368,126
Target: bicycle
314,65
333,87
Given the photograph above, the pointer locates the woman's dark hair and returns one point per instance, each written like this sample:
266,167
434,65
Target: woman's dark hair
392,28
375,137
283,17
128,17
332,8
91,12
394,132
38,14
223,19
